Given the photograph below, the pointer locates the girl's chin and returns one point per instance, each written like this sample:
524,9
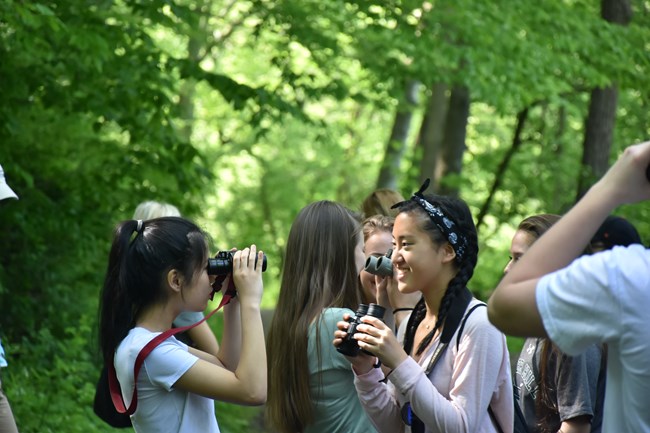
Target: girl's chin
406,289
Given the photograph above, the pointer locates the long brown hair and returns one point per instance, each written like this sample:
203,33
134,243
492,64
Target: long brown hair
379,202
546,397
319,271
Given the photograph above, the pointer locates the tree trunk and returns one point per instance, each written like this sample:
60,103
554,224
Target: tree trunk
559,199
522,116
187,89
389,171
450,161
599,126
432,130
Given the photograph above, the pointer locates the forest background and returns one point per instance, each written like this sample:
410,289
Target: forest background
242,112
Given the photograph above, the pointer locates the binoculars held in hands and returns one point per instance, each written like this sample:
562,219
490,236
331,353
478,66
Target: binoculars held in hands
349,346
381,266
221,264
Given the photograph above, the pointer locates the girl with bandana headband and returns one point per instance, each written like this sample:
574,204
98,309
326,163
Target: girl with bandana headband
425,383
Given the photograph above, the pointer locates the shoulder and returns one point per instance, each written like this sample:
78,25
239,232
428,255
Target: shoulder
619,277
597,298
137,339
475,314
607,268
476,325
133,343
628,266
333,315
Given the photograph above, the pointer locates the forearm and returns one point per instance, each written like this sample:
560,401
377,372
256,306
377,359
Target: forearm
512,307
204,339
402,304
231,340
378,402
251,369
576,425
388,318
566,240
626,181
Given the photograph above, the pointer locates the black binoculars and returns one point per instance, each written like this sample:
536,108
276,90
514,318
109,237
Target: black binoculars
221,264
381,266
349,346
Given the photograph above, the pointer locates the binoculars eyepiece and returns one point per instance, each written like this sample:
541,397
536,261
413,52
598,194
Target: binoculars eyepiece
381,266
221,264
349,346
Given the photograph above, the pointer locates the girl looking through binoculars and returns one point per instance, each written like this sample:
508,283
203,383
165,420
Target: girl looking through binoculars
156,270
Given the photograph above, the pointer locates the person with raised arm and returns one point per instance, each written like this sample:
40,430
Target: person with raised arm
602,298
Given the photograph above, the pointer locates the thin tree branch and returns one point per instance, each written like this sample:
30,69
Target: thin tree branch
522,116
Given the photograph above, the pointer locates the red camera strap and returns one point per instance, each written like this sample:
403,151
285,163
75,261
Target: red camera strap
113,383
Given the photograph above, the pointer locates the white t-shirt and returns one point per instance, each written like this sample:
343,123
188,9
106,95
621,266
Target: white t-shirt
605,298
160,406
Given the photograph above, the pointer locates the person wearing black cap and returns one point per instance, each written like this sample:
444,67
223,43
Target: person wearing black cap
600,298
7,421
615,231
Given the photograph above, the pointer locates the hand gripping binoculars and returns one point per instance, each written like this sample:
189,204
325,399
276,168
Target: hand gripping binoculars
381,266
349,346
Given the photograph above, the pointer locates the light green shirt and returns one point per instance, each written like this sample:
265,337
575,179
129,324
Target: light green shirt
331,382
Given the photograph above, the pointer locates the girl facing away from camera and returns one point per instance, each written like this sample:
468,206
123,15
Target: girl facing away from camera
556,392
156,270
469,388
310,384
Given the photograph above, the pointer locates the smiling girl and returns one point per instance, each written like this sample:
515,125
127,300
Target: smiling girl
468,389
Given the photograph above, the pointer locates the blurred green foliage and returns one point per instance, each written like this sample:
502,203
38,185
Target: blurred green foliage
242,112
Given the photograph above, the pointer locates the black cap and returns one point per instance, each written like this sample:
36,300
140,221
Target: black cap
616,231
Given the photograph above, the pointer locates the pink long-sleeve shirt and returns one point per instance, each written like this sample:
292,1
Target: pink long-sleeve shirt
456,394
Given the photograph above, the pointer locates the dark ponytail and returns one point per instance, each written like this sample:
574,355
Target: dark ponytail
141,255
458,212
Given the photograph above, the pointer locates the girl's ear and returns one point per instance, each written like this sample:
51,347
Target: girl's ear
449,254
174,280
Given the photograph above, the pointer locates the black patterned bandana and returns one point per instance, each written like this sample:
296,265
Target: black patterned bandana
444,223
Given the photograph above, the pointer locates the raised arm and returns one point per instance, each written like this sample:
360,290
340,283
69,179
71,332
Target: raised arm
230,351
247,383
512,307
204,338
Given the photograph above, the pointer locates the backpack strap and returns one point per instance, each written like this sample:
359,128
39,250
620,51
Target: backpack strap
114,384
519,422
462,325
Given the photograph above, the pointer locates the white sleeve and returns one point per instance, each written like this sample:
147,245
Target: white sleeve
585,302
168,362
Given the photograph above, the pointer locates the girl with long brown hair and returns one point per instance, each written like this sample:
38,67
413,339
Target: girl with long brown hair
556,392
310,384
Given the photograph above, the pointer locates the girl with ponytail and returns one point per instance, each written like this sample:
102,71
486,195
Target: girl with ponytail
156,270
462,386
